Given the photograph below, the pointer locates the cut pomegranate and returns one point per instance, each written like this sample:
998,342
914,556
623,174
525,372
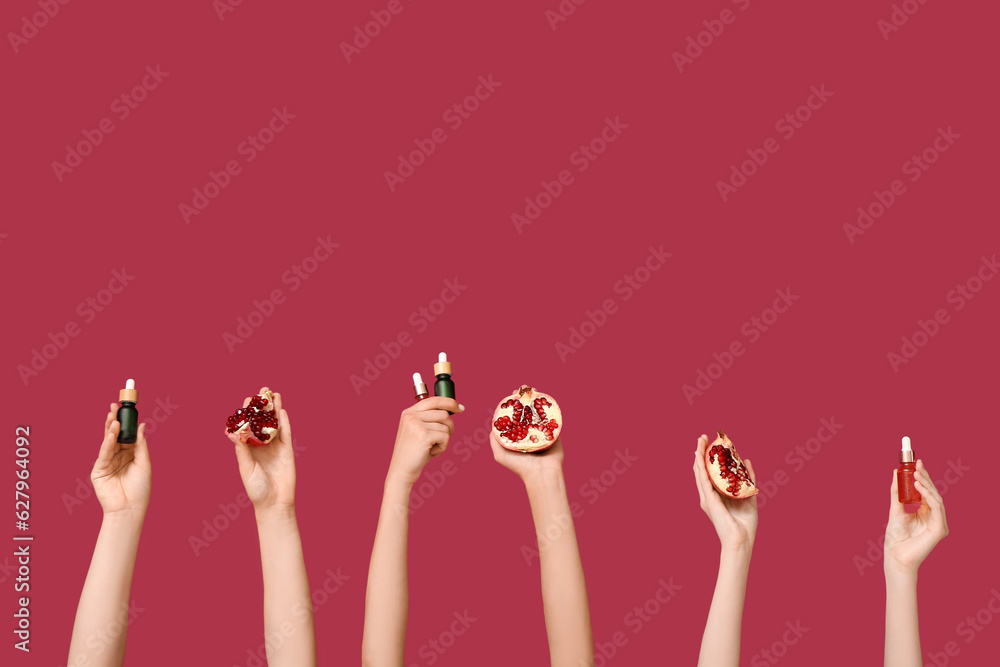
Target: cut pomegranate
726,469
527,421
256,424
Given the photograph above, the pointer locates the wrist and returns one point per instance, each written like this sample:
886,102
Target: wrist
896,573
398,482
274,512
129,517
736,553
544,479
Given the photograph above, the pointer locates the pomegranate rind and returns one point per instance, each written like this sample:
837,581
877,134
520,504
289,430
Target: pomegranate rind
536,437
713,460
243,430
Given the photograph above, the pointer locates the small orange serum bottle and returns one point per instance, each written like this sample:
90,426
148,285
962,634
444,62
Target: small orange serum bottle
907,492
419,388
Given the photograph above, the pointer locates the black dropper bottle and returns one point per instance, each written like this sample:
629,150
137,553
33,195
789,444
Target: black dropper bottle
442,371
128,415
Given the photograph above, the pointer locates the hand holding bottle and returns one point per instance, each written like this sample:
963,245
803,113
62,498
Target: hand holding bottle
424,431
122,473
909,538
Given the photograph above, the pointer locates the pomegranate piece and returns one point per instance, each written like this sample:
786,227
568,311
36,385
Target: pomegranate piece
726,469
527,421
256,424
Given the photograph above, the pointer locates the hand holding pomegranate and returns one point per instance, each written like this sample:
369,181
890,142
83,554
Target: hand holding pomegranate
424,431
122,473
527,465
268,470
735,519
910,538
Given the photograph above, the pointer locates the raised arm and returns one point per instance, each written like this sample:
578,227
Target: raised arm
735,523
424,430
564,588
121,479
909,539
268,473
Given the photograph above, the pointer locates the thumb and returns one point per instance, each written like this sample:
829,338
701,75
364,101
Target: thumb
244,458
141,452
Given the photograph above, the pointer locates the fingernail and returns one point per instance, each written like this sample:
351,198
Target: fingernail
461,407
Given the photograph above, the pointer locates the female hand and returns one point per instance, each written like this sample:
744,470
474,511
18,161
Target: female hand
527,465
735,521
122,473
424,430
268,471
910,538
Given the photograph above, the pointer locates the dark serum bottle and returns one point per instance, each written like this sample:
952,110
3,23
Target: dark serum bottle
128,416
442,371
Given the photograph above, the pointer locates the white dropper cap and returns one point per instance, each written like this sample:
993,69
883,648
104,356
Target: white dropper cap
442,357
906,444
130,383
417,379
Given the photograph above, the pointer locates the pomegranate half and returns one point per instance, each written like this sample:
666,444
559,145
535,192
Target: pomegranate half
527,421
726,469
256,424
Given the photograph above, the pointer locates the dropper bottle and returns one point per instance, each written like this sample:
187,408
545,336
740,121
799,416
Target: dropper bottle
128,415
419,388
442,371
906,490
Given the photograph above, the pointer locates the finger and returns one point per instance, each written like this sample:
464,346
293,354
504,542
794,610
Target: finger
753,476
109,446
440,416
438,403
933,501
437,427
284,426
110,417
141,451
896,508
246,401
697,483
277,400
926,478
243,456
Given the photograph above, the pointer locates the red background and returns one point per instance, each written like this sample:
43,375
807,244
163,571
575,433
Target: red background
656,185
